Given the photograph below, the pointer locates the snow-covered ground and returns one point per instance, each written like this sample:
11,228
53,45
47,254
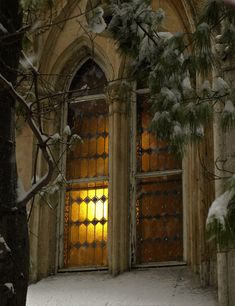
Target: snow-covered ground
151,287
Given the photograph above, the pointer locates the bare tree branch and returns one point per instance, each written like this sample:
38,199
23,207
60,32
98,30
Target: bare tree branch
42,141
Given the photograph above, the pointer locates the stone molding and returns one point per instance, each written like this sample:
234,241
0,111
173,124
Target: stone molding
118,227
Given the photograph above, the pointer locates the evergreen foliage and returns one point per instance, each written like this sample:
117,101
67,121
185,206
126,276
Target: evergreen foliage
172,64
34,4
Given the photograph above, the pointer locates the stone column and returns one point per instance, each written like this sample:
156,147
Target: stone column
118,224
224,148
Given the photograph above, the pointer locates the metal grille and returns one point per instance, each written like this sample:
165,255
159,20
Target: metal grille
86,208
159,197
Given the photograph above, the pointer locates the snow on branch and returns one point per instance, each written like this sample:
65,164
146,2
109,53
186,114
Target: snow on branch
41,141
219,208
96,23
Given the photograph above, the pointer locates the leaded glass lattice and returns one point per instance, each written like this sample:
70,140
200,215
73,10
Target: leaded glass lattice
153,154
159,220
86,227
86,205
89,159
89,80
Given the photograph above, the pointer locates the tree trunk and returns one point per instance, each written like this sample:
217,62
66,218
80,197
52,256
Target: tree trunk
14,258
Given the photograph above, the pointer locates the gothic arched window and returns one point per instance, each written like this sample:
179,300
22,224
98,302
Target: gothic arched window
86,207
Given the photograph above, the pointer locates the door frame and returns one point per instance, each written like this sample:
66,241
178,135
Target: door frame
134,176
62,193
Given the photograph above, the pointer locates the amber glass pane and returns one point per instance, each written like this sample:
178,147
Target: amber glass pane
152,154
86,208
85,234
159,219
90,158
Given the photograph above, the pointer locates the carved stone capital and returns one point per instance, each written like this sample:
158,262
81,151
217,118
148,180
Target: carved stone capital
118,95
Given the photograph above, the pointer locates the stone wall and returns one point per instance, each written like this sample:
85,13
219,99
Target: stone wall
62,49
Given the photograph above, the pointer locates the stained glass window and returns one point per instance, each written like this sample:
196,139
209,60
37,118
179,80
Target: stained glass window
86,215
89,159
86,205
89,80
159,219
159,231
153,154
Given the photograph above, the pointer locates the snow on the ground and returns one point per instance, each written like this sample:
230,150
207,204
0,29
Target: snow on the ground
151,287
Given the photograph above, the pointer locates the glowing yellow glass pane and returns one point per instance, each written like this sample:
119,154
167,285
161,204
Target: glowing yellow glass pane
88,205
91,211
74,232
99,192
82,233
82,212
98,232
83,194
106,210
90,233
99,210
74,212
105,231
105,192
91,193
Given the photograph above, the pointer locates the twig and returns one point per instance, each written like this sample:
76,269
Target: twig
41,140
